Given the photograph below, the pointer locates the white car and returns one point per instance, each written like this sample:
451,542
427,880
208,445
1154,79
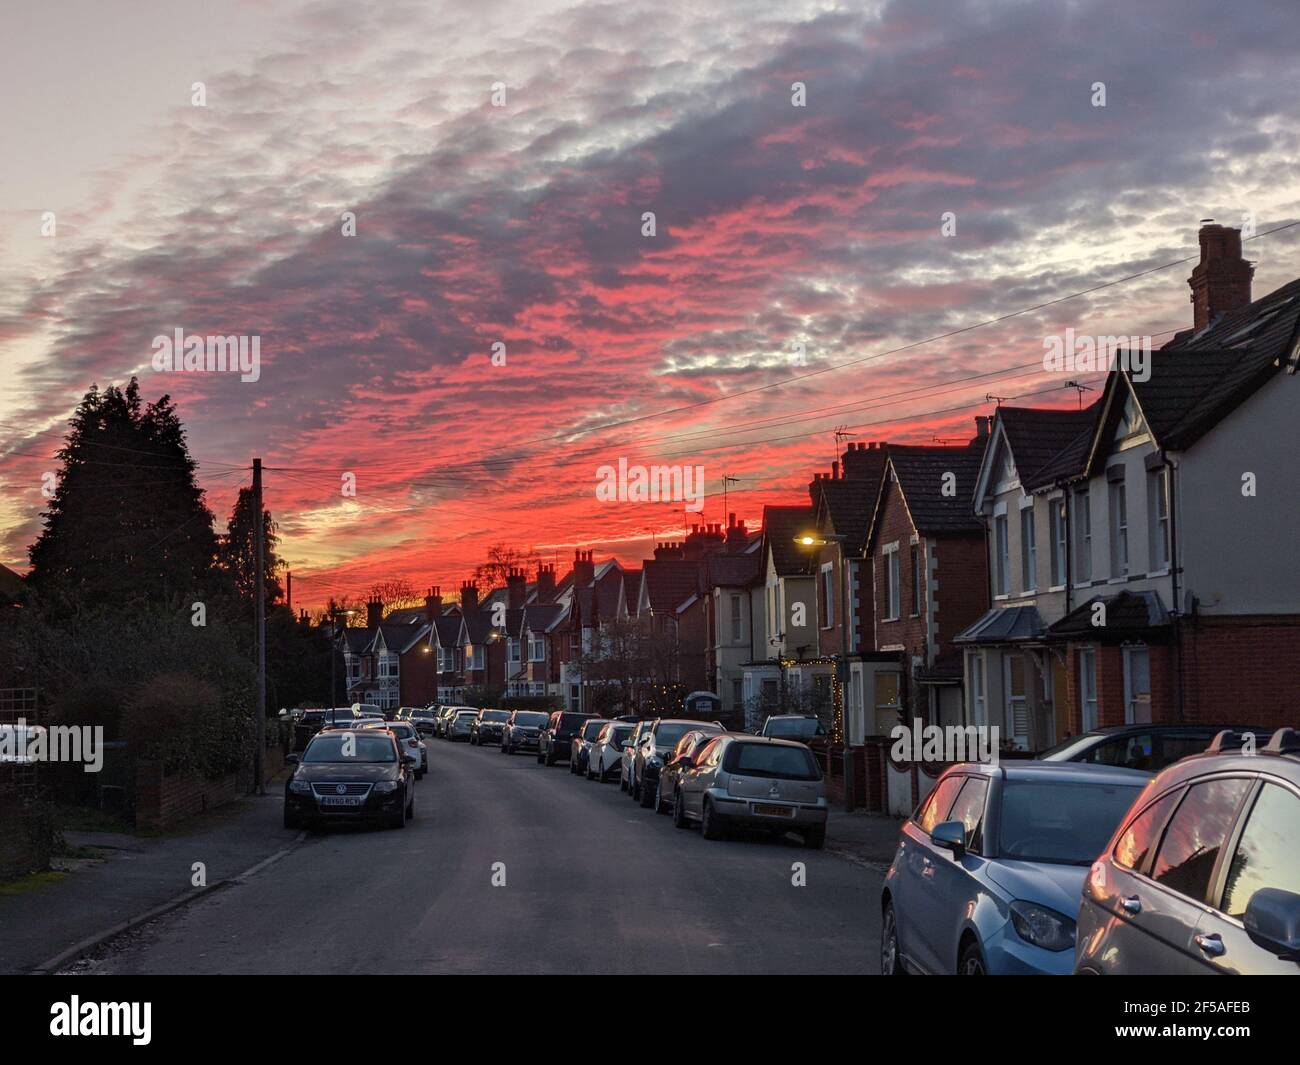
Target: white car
408,739
607,750
640,730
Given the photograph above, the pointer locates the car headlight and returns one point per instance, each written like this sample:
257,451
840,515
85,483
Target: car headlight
385,787
1041,926
300,787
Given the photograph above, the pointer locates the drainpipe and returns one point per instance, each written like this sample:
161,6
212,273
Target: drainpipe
1179,706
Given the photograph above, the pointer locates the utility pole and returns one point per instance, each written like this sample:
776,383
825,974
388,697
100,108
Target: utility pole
259,529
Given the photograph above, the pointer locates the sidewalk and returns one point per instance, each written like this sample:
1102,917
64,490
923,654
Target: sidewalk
867,838
131,875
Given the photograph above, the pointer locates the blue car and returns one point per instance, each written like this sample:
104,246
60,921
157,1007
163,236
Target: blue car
989,871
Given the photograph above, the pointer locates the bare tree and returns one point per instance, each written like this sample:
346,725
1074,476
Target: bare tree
395,593
501,559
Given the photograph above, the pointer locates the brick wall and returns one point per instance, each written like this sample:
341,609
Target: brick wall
162,801
1242,670
961,573
895,525
418,676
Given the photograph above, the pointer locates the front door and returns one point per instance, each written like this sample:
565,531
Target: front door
1137,686
1016,700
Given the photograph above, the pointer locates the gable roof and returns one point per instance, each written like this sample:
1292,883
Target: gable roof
733,571
541,617
398,637
1039,437
780,526
849,505
670,582
356,639
920,474
446,630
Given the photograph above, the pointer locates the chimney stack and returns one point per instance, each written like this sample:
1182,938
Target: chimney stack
433,604
516,589
468,597
1220,282
981,426
736,533
668,549
545,584
584,569
374,612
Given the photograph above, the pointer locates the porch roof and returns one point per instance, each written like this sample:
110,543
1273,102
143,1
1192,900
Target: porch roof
1004,624
1128,615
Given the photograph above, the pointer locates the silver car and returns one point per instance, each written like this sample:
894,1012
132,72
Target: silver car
738,781
459,722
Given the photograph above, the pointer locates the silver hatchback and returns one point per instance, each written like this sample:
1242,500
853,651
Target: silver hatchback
740,781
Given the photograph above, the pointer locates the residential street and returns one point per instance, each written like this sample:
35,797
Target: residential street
594,884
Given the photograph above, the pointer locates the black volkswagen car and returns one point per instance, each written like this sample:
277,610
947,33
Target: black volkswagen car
345,777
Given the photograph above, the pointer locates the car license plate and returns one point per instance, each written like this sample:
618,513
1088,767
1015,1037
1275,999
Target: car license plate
768,809
341,800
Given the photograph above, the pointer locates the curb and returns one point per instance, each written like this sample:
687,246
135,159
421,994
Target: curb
60,960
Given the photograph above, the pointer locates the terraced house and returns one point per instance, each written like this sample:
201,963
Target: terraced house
1133,573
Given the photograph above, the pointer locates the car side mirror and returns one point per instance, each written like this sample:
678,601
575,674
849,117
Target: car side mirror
1273,917
951,836
290,759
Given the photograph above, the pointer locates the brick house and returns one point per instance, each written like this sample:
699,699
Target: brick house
1171,512
926,555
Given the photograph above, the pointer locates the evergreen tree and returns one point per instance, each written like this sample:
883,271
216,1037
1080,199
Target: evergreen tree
237,552
127,522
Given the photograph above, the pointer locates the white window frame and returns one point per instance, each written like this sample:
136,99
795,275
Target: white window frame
828,594
1028,549
917,557
1158,508
536,648
1002,556
737,619
1087,689
1120,561
1137,705
979,707
1083,535
893,604
1057,520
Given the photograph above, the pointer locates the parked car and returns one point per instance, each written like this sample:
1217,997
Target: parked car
1149,747
555,741
1203,874
460,722
442,722
408,740
681,757
367,711
653,747
352,723
367,780
487,727
606,753
988,871
581,744
805,728
422,719
642,726
402,713
522,730
736,781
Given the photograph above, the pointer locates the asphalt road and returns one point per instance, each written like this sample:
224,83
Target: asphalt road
593,884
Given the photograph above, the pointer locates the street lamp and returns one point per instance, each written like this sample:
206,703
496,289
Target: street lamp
842,659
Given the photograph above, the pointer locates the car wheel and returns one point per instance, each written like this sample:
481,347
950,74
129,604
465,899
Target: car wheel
590,775
815,837
660,808
410,807
645,796
891,957
971,962
399,819
679,811
622,781
541,760
711,825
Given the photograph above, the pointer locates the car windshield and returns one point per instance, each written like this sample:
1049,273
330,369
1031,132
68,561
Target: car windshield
1060,822
422,713
794,728
772,760
401,731
465,715
592,729
530,718
667,735
620,735
329,747
496,715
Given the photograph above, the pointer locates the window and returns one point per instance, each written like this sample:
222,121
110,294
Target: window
1017,700
893,605
1192,841
1002,557
828,595
1082,536
939,801
1057,512
1028,552
1088,689
1158,508
969,810
536,648
1137,686
737,631
516,652
1268,855
737,694
918,584
1135,844
979,706
475,655
1118,530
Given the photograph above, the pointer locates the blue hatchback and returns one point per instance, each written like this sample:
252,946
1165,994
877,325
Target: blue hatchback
989,871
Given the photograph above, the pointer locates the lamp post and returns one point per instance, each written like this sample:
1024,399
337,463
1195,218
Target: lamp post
842,659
